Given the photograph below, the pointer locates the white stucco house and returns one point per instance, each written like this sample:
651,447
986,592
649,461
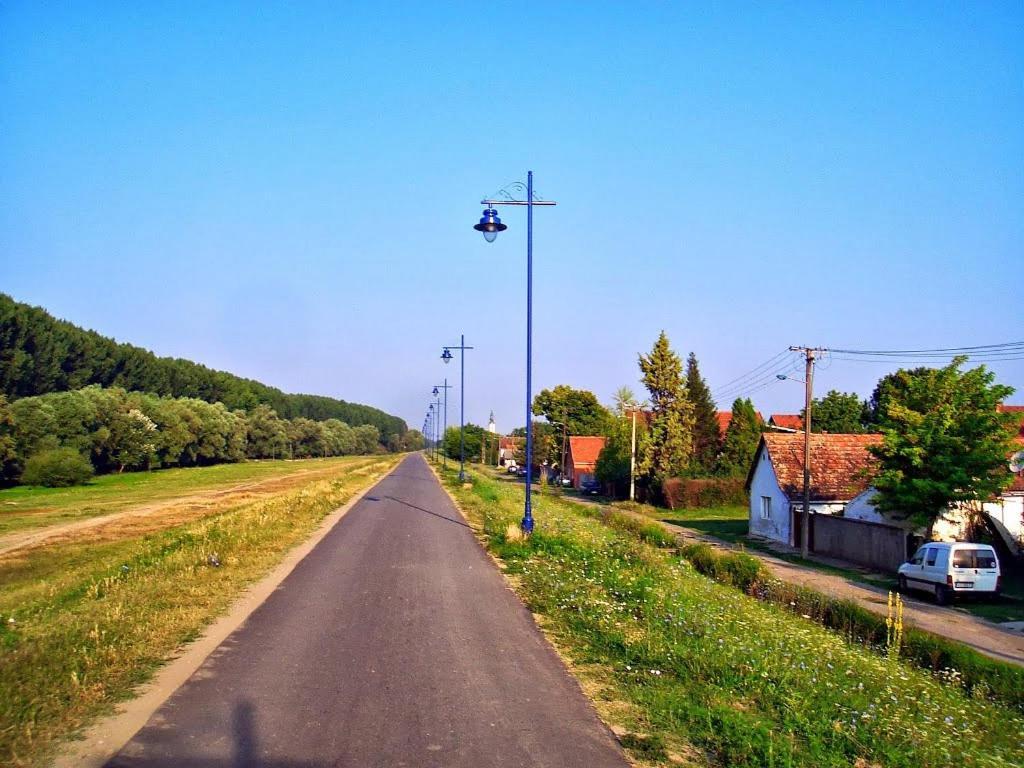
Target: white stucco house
842,466
842,470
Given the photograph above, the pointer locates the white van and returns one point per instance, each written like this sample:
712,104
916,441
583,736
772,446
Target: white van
947,569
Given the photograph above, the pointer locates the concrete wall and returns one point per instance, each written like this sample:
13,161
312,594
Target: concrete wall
876,546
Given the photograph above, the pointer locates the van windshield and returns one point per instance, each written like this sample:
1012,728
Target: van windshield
974,558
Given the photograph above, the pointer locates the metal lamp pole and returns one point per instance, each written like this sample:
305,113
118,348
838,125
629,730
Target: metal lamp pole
490,225
446,355
433,434
444,426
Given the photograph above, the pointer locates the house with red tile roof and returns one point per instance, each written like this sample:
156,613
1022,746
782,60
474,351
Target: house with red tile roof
725,419
841,468
507,447
581,460
787,422
1019,411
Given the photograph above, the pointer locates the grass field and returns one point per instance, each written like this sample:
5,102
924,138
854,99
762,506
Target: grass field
691,670
83,623
725,523
25,507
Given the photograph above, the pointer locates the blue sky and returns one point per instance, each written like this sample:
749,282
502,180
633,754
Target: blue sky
286,191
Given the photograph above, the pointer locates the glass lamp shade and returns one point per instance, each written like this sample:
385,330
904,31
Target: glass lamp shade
446,356
490,225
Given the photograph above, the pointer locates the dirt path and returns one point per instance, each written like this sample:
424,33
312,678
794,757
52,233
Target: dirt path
181,507
981,635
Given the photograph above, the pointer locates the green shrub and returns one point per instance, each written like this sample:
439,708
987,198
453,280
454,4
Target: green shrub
650,532
736,568
704,493
57,468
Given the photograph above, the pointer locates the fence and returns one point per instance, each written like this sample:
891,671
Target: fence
870,544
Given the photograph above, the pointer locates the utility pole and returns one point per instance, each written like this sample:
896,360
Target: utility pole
632,460
810,353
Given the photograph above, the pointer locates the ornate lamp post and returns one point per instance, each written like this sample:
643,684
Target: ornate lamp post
446,356
490,225
444,424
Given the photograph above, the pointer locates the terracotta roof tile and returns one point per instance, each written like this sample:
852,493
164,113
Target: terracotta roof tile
788,421
585,450
1018,409
841,466
725,419
509,443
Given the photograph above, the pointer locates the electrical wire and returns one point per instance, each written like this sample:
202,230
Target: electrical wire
754,374
980,349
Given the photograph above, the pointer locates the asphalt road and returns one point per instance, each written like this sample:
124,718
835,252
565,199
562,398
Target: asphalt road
395,642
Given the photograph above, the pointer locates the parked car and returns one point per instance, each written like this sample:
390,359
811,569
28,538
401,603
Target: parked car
947,569
511,468
590,486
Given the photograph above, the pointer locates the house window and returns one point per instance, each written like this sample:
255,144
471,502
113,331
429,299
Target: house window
766,507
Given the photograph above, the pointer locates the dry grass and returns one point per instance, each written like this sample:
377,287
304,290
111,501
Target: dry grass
83,623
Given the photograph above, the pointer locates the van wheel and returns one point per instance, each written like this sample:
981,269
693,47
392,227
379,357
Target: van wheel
901,584
941,594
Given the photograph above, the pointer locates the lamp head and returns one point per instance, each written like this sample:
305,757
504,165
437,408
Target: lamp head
435,392
781,376
490,225
446,355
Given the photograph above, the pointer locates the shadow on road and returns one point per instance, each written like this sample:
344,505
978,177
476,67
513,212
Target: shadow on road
429,512
246,751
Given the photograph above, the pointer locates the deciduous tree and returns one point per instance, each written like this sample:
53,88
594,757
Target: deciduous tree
838,413
943,443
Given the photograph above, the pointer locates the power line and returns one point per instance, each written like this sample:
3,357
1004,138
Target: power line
754,374
1008,346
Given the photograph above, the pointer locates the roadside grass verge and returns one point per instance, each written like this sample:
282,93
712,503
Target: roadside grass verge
81,625
26,507
693,668
978,674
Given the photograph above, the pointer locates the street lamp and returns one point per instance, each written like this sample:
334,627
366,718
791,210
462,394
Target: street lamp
444,426
446,356
490,225
433,433
437,428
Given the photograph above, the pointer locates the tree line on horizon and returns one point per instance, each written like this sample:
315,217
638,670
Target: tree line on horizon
40,354
63,438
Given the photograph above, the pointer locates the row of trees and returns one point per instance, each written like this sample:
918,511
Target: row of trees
678,431
40,354
117,430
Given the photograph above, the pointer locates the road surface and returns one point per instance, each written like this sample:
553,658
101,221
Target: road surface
395,642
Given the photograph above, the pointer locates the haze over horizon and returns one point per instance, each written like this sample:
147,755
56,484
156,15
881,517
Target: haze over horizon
288,194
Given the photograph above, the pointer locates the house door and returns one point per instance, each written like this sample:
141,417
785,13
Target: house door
797,527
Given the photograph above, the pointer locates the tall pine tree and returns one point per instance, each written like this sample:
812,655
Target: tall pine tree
706,437
671,432
741,439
